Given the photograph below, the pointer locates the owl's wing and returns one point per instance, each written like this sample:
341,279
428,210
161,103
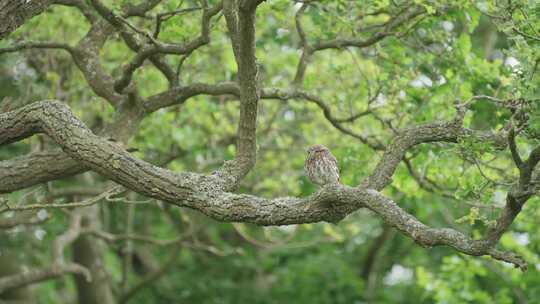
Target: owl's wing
335,162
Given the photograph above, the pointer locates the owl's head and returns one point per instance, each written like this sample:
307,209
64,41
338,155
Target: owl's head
316,148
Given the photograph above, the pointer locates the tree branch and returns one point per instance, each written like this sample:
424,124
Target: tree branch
154,47
58,268
15,13
81,5
36,45
206,193
39,275
249,93
513,148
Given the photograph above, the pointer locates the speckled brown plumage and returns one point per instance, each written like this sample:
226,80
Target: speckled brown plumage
321,166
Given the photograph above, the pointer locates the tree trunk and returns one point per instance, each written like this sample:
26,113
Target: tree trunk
88,252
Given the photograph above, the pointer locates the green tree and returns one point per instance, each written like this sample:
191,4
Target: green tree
152,151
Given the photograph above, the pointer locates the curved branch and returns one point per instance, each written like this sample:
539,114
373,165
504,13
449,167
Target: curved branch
394,153
155,47
335,122
207,193
86,56
429,237
87,59
308,49
39,275
179,95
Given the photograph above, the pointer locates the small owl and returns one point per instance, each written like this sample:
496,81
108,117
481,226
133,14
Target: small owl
321,166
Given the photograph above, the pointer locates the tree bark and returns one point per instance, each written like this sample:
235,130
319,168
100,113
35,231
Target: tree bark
88,252
15,13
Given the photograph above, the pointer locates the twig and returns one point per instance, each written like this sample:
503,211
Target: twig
113,191
167,15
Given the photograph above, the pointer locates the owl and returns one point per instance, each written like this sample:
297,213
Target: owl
321,166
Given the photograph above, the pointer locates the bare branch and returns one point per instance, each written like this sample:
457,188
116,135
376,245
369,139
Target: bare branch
112,238
26,219
36,45
336,122
58,268
113,191
525,35
68,237
156,47
179,95
306,50
39,275
167,15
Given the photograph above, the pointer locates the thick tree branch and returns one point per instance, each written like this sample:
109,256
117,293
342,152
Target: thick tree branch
515,199
35,168
206,193
81,5
140,9
179,95
38,167
394,153
87,59
429,237
249,93
15,13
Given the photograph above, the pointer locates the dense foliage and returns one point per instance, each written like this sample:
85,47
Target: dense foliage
483,53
